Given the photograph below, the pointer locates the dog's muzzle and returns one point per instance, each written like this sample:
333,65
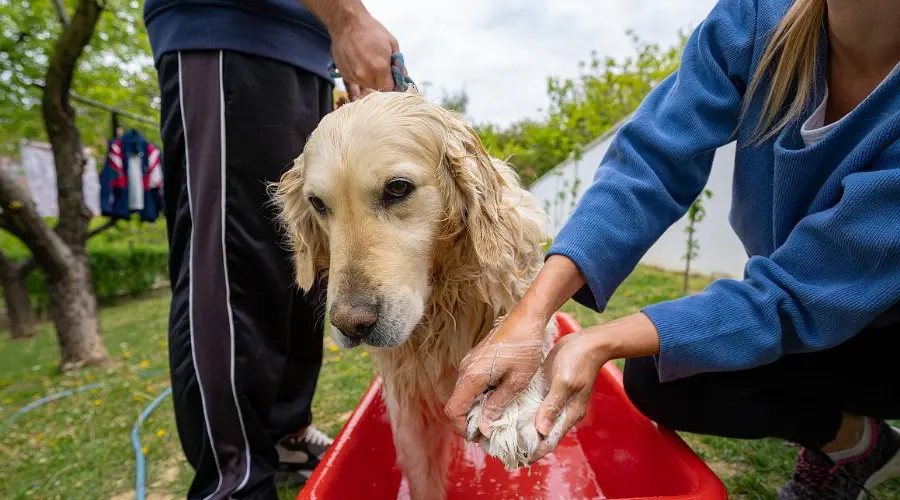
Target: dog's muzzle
355,316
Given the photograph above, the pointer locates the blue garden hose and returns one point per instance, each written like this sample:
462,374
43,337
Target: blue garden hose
150,373
53,397
141,469
141,472
59,395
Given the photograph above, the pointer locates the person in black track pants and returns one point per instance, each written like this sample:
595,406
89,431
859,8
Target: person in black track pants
242,86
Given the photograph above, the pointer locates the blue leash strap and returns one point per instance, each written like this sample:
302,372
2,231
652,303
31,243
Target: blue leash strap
402,81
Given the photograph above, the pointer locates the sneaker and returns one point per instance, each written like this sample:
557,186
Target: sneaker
299,454
818,477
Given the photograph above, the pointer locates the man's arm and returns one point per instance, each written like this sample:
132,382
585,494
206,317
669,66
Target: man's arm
336,13
361,46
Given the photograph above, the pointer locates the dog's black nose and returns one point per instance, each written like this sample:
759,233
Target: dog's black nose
355,317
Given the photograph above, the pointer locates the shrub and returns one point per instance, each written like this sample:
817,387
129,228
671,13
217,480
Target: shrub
115,272
127,259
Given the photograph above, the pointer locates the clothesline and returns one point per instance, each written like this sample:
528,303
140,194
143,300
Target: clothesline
107,107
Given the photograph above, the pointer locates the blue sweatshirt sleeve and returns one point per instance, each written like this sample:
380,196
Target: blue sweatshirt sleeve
836,272
660,160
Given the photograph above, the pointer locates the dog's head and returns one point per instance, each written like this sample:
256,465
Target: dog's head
383,186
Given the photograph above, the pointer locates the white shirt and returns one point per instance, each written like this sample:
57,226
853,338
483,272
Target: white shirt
135,182
814,128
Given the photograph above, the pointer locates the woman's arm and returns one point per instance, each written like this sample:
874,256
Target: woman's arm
838,270
660,160
554,285
653,171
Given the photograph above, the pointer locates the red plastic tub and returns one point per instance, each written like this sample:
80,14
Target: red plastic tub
614,452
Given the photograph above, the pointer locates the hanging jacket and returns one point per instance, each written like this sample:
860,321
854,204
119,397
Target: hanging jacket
131,179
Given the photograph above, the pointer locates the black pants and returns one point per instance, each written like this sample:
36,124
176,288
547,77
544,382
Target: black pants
799,398
244,345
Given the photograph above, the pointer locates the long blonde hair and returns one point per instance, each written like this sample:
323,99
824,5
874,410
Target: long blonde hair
790,57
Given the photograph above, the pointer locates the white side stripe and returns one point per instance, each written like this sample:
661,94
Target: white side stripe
225,264
187,166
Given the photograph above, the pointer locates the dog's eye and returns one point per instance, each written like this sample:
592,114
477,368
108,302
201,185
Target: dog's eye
398,188
317,204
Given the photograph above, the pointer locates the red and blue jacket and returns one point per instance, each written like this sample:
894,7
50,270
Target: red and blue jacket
114,178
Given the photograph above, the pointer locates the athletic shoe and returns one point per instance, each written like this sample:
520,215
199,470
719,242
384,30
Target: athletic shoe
818,477
299,455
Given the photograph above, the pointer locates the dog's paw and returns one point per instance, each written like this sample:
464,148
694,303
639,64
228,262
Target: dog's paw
514,438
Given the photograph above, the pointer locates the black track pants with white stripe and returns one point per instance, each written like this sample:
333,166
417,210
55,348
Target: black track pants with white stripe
245,346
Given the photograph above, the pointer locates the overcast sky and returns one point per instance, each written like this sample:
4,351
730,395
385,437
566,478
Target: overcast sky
501,51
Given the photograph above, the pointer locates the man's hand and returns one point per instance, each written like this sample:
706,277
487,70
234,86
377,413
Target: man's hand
355,92
362,52
360,45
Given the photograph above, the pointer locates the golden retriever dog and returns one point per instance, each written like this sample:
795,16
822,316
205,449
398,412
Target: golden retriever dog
426,242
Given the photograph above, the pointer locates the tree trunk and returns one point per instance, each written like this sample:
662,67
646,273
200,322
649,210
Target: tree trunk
73,305
61,252
59,120
18,303
73,308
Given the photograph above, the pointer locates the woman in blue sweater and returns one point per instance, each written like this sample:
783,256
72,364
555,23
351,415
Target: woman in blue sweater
802,348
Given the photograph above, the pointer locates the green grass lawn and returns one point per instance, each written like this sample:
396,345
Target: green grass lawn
79,447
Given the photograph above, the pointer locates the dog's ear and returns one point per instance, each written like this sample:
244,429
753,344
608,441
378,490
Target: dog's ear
476,190
305,237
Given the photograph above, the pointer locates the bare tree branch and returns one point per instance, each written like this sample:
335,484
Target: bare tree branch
15,295
23,220
5,263
10,226
97,230
12,269
26,267
61,11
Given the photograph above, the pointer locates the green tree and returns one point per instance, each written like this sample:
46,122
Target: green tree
456,101
45,55
696,213
114,69
581,108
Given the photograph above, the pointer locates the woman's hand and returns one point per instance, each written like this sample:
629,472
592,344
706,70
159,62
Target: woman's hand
572,367
507,360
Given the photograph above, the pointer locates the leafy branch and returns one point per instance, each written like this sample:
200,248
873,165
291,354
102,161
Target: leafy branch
695,214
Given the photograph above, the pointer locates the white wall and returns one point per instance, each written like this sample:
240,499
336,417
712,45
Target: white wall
720,250
39,171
